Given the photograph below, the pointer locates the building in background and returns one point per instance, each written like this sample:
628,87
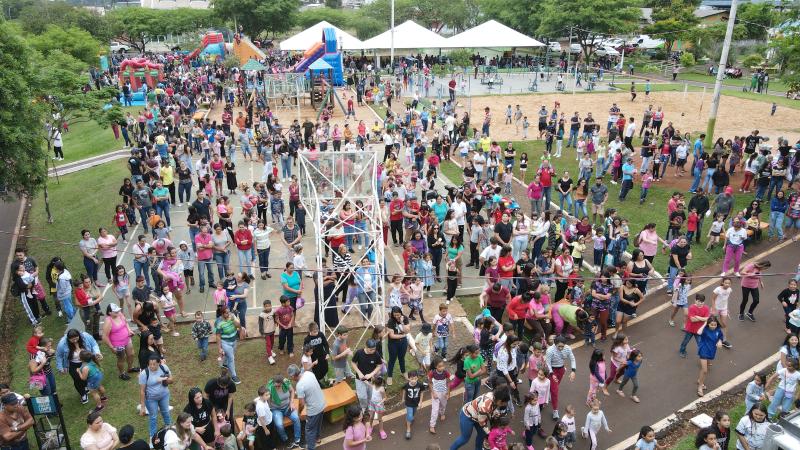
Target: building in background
172,4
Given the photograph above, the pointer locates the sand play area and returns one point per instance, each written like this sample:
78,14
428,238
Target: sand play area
688,112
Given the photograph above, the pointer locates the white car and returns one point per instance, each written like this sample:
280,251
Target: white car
606,51
116,47
575,48
554,47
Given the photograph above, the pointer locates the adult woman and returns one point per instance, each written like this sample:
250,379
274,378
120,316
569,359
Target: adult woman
227,328
183,435
161,196
107,244
563,266
450,225
419,243
292,284
99,435
294,195
280,403
436,247
398,329
263,245
565,317
239,297
751,281
469,173
68,357
148,347
39,366
348,217
126,192
221,243
478,415
535,192
630,299
154,383
454,253
184,183
117,335
88,246
752,429
601,301
777,211
203,419
230,175
506,266
290,236
521,233
579,194
243,238
648,240
640,269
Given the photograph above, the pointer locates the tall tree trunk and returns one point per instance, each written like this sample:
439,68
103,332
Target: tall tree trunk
47,204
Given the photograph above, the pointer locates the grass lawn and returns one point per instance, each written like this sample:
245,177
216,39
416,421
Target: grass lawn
736,413
87,139
775,84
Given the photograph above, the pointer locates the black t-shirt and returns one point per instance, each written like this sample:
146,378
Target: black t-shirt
504,230
218,395
588,125
203,208
789,296
676,219
365,362
141,295
565,185
574,123
136,165
412,394
320,345
681,252
138,444
396,326
750,143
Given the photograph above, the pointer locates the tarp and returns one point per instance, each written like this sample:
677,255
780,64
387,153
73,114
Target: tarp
320,64
491,34
310,36
407,35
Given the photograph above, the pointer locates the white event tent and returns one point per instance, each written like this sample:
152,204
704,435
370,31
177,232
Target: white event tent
407,35
491,34
305,39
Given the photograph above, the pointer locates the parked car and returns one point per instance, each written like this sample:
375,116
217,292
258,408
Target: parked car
606,51
575,48
118,47
554,47
733,72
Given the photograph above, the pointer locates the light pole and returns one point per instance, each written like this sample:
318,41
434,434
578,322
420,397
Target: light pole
391,50
723,59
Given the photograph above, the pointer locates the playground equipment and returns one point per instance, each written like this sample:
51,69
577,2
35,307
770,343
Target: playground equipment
284,90
323,95
327,181
140,71
490,76
211,48
327,50
246,50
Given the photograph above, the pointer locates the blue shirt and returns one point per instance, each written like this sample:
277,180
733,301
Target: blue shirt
698,148
631,368
707,343
627,171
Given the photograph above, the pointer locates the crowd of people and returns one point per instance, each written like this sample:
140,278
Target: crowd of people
534,298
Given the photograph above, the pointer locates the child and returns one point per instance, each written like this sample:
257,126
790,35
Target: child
532,418
201,330
226,440
186,257
423,343
708,338
376,407
595,420
597,375
560,435
498,436
121,283
33,346
250,423
620,350
91,373
630,372
220,298
647,440
525,126
754,394
715,231
299,261
474,367
541,385
719,307
425,273
523,165
168,307
266,328
443,324
355,431
439,379
285,318
569,423
414,289
549,444
589,327
680,294
452,280
306,361
508,178
691,224
412,395
121,221
460,373
339,354
696,317
647,181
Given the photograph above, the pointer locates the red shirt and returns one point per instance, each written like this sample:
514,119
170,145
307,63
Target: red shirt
546,176
505,261
33,342
81,296
243,239
516,309
452,84
496,299
694,310
691,222
396,209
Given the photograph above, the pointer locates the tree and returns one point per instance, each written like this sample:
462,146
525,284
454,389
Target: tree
786,49
256,16
139,26
673,21
367,27
336,4
342,18
755,19
73,41
35,18
589,19
513,13
23,170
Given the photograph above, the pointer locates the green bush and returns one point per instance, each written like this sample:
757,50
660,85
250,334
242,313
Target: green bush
687,60
751,60
461,58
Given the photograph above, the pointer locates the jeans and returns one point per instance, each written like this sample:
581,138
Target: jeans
263,260
162,209
687,336
313,429
154,405
246,261
202,345
143,212
229,349
782,399
774,183
208,265
277,419
579,206
663,160
673,272
760,190
600,168
397,351
91,268
561,198
518,244
222,260
645,164
698,176
776,224
536,205
627,185
546,197
471,391
185,189
286,167
193,232
141,268
643,195
466,425
441,345
572,141
634,379
707,183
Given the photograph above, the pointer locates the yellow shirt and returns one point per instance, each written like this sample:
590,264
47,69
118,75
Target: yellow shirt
577,249
161,140
167,175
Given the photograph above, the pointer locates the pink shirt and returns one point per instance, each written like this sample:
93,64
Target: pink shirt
203,254
355,432
751,281
648,243
109,252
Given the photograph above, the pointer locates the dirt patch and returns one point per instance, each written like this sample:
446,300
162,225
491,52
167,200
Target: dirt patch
688,112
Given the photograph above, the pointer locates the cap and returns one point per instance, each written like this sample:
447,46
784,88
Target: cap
9,399
486,312
729,190
371,343
114,307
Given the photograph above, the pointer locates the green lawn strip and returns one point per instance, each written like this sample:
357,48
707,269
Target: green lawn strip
735,414
87,138
782,101
775,84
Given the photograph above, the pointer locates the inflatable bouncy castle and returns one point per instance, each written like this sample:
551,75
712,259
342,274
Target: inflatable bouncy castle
140,71
328,50
212,47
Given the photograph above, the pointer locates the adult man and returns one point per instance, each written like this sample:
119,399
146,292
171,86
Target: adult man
135,166
628,170
751,143
542,121
599,197
366,364
646,117
451,89
496,298
310,396
308,132
588,126
630,130
205,257
143,201
419,157
699,201
574,128
15,420
613,115
388,144
487,121
679,255
479,162
396,219
723,203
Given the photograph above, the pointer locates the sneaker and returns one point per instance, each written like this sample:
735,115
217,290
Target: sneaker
236,380
682,354
124,377
273,354
741,317
271,360
408,435
727,344
202,289
672,323
84,399
60,314
555,414
180,204
295,444
750,317
736,274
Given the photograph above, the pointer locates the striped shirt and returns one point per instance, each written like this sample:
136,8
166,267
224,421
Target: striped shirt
556,358
341,263
439,380
226,329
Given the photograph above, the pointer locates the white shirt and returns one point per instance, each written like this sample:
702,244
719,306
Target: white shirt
721,302
263,412
459,211
788,380
736,237
630,130
388,139
449,123
478,161
488,252
613,146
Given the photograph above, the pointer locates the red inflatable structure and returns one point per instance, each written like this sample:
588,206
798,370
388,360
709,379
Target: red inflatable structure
140,71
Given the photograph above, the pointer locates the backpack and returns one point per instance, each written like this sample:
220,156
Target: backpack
157,441
147,374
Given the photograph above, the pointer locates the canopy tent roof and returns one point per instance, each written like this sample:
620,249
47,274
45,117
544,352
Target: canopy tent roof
313,34
491,34
320,64
252,64
407,35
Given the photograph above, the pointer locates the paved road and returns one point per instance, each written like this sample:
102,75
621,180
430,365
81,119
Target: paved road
9,214
667,381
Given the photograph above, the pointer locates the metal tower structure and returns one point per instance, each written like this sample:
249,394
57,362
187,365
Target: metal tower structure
328,182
